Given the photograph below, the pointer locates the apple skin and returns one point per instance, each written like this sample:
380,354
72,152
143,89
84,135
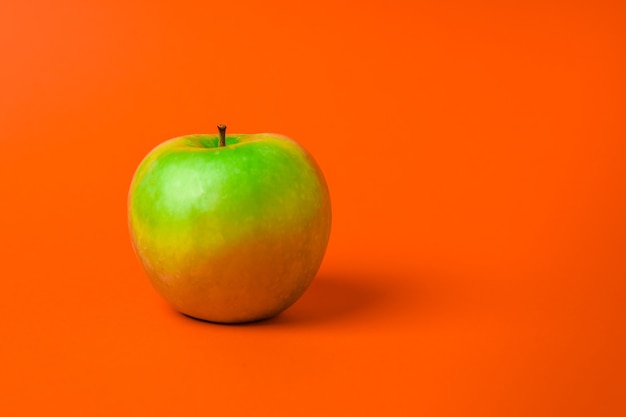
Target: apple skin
229,234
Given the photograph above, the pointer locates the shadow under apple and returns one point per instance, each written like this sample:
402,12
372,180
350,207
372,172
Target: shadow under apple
335,297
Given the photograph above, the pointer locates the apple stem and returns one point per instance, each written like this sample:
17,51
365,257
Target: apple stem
222,129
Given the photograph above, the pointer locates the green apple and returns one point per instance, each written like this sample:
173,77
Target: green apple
229,228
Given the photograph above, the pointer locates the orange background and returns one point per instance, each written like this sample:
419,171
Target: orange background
476,156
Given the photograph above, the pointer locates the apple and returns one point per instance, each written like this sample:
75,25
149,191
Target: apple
229,228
